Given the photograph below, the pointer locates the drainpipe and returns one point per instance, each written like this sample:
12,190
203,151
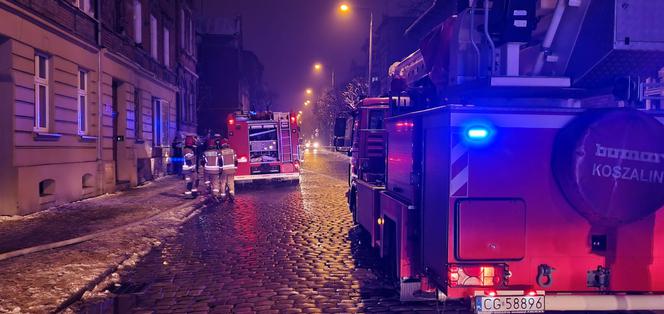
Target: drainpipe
100,106
548,38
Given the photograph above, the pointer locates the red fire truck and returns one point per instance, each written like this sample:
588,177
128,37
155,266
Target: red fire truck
515,179
267,146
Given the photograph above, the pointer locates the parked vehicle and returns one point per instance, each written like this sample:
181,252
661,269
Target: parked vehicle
520,184
267,146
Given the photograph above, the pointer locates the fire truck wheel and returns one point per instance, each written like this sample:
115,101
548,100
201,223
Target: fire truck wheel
352,205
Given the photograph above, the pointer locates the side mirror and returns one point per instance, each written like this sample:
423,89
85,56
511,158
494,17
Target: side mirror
340,127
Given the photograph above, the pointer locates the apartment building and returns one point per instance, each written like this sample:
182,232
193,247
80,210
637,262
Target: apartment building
95,91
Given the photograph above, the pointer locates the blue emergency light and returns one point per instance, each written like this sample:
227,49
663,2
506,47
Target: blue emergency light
478,134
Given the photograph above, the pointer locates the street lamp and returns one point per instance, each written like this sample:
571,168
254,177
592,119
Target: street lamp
318,68
345,8
309,91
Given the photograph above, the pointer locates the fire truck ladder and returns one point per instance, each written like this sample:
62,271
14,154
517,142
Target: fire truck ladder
285,142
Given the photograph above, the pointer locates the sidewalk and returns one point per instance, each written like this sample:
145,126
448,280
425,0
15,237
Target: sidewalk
43,281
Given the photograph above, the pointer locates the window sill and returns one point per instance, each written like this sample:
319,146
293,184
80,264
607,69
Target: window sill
48,137
47,198
139,141
87,139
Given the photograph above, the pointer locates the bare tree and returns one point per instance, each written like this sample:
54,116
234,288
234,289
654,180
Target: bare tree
353,92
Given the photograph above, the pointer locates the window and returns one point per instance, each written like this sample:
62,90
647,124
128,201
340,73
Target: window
376,119
138,22
167,48
160,122
46,187
41,93
183,104
192,106
85,6
182,28
190,46
138,115
82,102
153,37
87,181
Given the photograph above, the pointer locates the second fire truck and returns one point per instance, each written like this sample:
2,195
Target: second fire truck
267,146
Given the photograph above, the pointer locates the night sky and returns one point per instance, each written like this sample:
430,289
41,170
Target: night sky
289,36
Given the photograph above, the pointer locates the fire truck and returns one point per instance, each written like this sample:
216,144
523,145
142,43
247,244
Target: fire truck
518,161
266,145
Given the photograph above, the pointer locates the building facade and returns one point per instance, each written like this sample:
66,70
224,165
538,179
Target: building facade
240,88
96,91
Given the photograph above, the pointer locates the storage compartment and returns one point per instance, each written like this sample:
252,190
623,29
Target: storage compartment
403,159
490,229
368,202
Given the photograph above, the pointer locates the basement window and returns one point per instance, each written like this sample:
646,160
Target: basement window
88,181
46,187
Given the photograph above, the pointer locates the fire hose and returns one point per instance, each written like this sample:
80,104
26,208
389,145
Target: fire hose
545,271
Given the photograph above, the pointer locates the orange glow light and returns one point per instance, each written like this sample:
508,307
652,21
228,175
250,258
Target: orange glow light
344,7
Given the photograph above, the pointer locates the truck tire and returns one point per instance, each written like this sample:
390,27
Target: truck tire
352,204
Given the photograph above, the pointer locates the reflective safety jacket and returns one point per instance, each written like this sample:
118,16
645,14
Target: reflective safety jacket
228,159
212,161
189,159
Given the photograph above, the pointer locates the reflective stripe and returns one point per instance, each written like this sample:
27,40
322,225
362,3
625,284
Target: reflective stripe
212,168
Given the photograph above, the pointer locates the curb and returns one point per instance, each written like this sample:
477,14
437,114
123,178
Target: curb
76,296
54,245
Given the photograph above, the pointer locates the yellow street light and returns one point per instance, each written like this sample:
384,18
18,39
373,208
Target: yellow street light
309,91
344,7
318,66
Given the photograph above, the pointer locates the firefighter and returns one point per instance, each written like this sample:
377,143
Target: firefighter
228,167
212,169
190,166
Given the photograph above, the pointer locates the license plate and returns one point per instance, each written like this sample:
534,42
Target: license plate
509,304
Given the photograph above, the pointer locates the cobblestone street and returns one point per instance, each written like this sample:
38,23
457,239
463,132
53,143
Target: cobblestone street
282,249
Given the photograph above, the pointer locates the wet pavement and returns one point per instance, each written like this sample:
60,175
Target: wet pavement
277,249
131,223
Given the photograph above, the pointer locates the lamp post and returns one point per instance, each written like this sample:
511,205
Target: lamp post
345,8
318,68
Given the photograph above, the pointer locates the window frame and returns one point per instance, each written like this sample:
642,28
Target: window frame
154,37
39,82
138,22
82,92
160,122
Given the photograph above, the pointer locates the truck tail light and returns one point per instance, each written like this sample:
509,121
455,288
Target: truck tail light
475,275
